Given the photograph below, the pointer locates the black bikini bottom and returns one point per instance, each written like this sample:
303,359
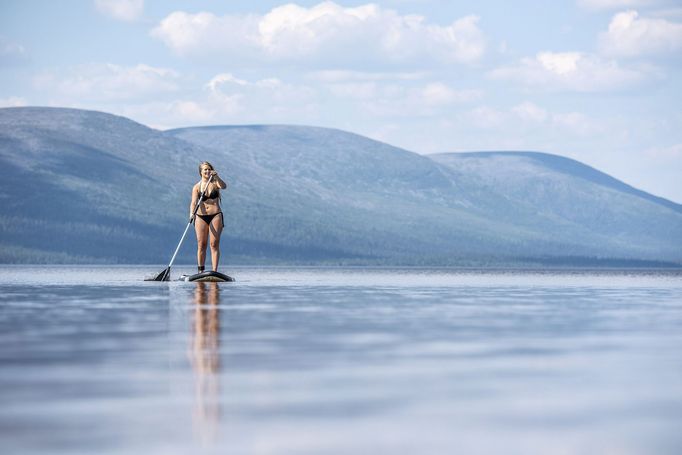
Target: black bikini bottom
209,218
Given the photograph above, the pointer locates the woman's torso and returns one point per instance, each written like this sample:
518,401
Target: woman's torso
211,202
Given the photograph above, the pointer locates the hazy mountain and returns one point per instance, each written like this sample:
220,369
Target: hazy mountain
575,201
88,186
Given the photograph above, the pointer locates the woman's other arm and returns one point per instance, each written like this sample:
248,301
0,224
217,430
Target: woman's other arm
193,204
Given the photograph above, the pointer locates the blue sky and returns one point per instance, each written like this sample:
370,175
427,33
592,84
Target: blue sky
595,80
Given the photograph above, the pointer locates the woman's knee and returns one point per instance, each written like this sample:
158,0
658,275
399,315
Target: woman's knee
201,244
215,244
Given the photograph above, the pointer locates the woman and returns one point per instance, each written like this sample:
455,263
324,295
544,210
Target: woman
209,218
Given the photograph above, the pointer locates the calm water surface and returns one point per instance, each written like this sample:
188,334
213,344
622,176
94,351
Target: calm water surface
340,361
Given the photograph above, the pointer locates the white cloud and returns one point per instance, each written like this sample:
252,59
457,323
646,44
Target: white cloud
576,123
559,63
630,35
486,117
528,116
365,35
106,82
226,83
8,49
596,5
437,93
380,99
393,94
124,10
207,34
13,101
530,112
263,100
355,90
350,76
11,53
671,153
223,78
571,71
228,98
190,111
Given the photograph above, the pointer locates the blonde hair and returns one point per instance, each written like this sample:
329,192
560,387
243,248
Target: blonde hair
205,163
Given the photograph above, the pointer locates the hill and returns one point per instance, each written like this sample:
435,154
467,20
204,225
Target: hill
82,186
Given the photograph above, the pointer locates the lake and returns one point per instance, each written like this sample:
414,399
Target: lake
340,361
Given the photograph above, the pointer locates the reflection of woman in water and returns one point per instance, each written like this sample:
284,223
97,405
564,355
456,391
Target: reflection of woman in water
209,219
205,359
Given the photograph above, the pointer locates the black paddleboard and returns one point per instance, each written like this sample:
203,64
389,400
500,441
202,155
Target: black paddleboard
207,276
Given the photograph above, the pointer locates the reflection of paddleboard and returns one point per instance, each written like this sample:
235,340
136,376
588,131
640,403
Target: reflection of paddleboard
206,276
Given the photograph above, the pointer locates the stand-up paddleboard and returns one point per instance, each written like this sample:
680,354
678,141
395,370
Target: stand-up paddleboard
207,276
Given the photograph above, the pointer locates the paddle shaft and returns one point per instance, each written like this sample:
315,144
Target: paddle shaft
194,213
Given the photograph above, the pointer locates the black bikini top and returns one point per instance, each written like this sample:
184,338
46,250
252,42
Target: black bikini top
214,194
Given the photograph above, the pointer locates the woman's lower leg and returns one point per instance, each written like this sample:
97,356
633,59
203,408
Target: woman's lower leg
214,242
202,236
201,258
215,258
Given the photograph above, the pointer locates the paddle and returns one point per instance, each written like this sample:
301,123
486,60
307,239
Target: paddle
165,275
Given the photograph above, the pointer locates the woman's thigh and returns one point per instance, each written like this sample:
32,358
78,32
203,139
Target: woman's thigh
201,228
216,228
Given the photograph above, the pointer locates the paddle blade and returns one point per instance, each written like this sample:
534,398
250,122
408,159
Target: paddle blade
163,276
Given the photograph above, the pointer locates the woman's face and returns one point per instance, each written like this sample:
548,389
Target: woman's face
205,171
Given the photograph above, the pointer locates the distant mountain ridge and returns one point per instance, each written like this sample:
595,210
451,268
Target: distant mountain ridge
113,190
576,168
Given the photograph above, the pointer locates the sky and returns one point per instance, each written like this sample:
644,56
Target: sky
599,81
